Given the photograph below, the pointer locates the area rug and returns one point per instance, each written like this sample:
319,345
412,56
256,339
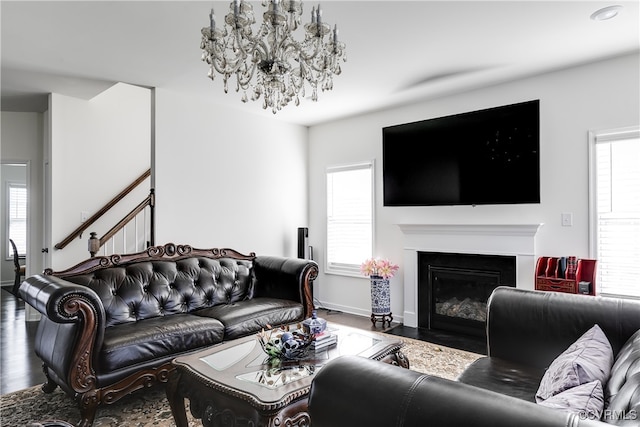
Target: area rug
149,408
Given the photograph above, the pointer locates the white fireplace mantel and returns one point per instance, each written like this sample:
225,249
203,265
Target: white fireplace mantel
487,239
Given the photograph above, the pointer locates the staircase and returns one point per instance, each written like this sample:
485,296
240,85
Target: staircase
133,233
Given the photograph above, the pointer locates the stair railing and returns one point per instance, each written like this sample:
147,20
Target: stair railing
95,244
149,202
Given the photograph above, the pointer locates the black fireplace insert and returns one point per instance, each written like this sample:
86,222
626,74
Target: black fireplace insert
453,289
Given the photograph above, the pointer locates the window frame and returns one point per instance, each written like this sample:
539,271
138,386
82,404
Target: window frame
595,137
9,186
350,270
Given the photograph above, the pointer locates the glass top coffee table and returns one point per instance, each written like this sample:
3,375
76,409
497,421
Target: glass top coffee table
233,383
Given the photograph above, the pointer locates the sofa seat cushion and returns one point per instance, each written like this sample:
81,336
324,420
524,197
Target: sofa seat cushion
131,343
250,316
504,377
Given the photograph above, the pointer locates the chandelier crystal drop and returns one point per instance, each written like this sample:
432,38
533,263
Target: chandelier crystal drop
269,62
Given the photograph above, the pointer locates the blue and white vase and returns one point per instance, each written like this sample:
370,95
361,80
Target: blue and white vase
380,296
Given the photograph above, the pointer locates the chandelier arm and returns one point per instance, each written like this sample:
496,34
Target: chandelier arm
232,64
292,47
316,47
320,70
239,38
217,54
237,62
258,48
221,70
244,84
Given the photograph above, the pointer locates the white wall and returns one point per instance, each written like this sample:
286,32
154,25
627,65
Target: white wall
596,96
98,147
21,139
220,181
228,179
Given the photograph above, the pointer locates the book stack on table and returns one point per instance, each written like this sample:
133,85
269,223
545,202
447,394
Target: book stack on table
323,340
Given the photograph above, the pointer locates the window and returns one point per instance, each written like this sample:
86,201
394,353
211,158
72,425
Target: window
17,218
615,209
349,217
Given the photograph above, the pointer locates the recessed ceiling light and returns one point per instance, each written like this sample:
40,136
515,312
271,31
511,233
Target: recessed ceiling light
606,13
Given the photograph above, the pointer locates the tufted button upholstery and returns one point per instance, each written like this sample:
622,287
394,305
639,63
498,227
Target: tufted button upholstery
158,288
622,391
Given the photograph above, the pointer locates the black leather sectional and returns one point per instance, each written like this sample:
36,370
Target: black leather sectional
526,332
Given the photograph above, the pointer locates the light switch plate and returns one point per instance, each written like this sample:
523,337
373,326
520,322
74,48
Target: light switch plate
567,219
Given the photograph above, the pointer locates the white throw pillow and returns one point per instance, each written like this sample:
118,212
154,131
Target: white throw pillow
588,359
586,400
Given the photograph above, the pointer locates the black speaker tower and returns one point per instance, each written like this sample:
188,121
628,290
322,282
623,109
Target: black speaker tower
303,242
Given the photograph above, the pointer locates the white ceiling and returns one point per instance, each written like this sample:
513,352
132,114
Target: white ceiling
397,51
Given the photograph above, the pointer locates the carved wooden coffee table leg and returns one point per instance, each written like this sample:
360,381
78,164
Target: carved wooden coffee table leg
176,401
402,360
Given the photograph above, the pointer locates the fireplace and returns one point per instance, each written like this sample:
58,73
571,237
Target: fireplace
511,240
453,289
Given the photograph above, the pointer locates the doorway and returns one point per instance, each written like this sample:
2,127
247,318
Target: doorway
14,217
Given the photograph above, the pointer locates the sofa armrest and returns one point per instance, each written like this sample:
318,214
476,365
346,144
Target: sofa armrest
71,329
534,327
287,278
355,391
50,295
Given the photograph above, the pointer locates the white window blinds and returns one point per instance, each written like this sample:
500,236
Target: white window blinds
349,217
615,212
17,217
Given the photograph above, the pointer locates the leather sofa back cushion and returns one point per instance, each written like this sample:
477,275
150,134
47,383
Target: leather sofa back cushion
622,391
627,364
158,288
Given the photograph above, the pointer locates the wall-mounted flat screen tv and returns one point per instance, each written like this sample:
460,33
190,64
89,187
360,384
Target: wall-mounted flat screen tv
482,157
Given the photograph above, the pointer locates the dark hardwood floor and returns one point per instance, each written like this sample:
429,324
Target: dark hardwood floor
20,367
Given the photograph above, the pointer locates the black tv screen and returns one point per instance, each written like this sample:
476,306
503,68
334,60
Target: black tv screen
477,158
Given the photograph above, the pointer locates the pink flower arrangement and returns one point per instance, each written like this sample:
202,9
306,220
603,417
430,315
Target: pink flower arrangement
378,267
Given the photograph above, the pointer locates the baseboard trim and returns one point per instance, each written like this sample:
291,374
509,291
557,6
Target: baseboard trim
353,310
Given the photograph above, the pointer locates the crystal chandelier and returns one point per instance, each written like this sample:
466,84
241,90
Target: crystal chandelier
269,62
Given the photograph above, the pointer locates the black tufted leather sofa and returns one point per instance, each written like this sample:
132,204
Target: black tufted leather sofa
526,331
112,325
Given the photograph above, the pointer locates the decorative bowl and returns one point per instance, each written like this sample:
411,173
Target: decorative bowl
284,344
